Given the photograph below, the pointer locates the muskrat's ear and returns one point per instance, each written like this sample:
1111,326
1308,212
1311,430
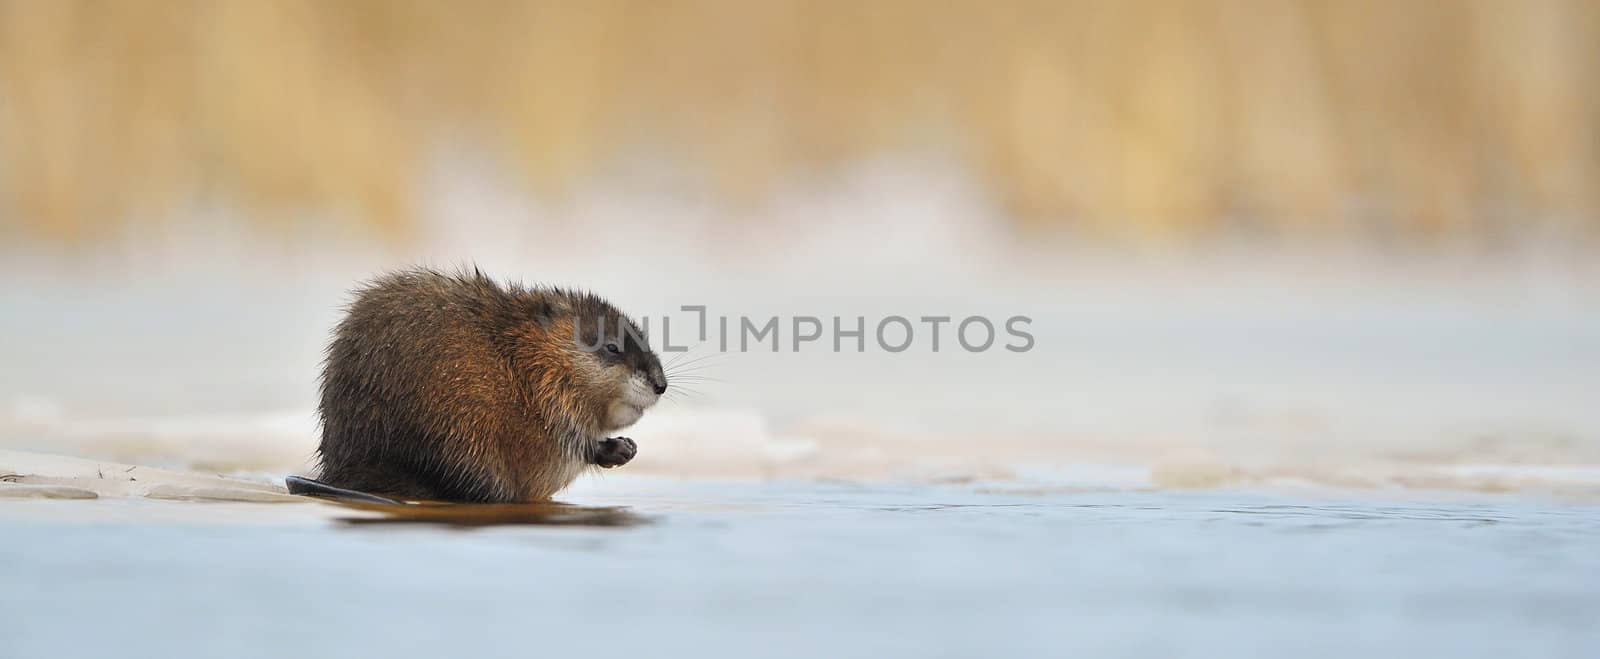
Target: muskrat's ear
543,312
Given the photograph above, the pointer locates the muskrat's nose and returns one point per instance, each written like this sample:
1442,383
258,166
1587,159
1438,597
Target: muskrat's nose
661,388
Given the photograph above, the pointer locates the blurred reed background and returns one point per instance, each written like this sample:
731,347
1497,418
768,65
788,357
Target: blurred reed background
1142,120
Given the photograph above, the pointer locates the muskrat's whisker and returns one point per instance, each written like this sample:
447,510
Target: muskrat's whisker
680,390
692,385
681,362
679,357
689,377
693,373
693,378
694,363
685,397
685,371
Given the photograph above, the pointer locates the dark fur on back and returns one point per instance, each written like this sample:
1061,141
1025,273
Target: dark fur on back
453,387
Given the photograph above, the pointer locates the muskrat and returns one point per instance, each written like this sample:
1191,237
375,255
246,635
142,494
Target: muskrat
452,387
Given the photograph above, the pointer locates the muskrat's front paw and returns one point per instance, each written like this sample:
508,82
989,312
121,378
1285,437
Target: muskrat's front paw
614,451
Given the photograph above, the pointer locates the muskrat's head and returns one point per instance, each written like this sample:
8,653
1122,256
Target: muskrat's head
592,365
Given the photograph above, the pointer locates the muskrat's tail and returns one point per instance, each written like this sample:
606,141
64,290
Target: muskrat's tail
315,488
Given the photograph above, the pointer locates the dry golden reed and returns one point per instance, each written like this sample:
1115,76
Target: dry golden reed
1146,119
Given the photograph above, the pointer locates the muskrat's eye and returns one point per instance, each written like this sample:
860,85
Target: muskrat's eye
612,348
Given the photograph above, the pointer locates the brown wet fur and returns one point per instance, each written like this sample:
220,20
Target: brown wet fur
453,387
